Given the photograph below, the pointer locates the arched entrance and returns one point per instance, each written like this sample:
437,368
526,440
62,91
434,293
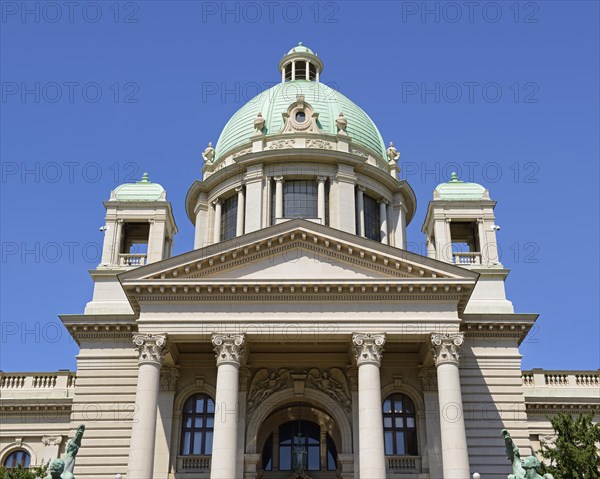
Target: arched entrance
298,437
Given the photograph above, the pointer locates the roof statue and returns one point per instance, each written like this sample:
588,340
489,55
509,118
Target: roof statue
392,153
209,153
341,123
259,122
527,468
63,468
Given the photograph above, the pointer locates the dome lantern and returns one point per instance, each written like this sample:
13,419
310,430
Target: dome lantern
300,63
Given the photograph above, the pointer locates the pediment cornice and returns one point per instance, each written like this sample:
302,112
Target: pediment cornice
396,274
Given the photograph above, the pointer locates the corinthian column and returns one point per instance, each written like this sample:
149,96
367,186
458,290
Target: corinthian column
455,458
151,349
368,349
229,349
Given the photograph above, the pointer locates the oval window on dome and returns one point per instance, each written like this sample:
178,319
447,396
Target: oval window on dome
300,116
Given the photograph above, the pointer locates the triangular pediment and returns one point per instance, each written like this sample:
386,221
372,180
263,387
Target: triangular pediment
297,251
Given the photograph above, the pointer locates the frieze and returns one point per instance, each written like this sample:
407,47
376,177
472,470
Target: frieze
281,144
323,145
266,382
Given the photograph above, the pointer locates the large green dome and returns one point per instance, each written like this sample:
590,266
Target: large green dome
326,101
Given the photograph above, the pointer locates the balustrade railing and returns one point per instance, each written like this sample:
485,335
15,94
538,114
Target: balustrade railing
193,463
570,379
58,380
127,259
400,464
467,258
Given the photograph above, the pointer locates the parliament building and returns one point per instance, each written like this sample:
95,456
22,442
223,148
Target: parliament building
297,337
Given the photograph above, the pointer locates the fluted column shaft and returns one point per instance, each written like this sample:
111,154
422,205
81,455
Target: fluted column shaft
143,430
229,349
360,199
368,349
278,197
239,227
217,223
455,457
321,198
383,228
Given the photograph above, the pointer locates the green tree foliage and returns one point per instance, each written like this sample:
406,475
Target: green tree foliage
22,473
574,453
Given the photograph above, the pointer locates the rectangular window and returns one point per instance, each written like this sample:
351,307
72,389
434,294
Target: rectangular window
229,218
372,222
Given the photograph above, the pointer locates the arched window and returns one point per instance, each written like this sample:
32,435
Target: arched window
17,458
399,426
198,422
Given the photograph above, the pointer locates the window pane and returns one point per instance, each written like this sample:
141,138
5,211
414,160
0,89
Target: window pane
410,422
387,422
197,443
389,443
400,443
200,404
210,406
210,422
208,443
198,422
185,450
188,422
398,406
387,406
399,422
314,458
285,458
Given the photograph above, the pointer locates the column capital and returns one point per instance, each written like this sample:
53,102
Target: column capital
168,379
383,201
216,201
321,179
239,188
446,347
362,189
278,179
229,348
151,348
368,348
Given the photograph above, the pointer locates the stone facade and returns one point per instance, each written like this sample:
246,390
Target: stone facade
298,326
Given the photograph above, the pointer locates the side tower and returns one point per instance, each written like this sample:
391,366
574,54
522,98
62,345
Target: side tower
139,230
460,229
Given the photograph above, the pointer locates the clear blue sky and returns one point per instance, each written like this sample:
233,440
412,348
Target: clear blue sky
102,92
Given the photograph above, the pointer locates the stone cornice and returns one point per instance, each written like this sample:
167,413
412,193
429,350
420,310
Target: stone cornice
498,325
544,408
93,327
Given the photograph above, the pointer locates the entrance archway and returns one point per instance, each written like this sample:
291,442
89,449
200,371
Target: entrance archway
311,397
298,435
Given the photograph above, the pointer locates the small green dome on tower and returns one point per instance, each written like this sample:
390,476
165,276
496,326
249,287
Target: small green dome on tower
300,48
457,190
143,190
